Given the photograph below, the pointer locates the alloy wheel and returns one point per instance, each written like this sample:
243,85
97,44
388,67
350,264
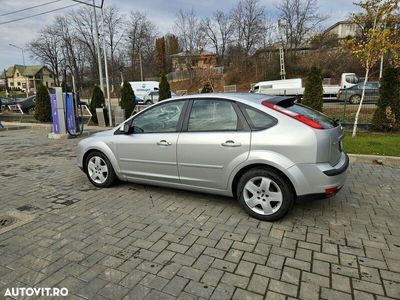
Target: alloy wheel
97,169
262,195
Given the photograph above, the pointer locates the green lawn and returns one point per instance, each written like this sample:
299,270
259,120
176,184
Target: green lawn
373,143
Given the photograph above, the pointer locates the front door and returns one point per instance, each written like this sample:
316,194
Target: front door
149,151
213,143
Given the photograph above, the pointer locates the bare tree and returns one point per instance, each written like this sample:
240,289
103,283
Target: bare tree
188,29
72,51
114,33
219,30
83,25
298,19
249,19
47,49
141,35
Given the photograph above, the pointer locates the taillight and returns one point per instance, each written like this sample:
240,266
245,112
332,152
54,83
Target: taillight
331,191
298,117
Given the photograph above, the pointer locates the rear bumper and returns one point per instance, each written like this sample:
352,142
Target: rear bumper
316,180
338,170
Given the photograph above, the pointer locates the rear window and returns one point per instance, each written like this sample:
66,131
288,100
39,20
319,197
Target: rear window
310,113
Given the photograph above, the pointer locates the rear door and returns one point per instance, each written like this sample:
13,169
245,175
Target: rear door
214,140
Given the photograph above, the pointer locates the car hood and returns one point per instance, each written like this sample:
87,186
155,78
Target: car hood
104,133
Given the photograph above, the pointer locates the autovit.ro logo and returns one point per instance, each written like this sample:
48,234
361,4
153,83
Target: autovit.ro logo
40,291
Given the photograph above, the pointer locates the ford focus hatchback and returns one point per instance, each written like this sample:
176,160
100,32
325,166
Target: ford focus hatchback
265,151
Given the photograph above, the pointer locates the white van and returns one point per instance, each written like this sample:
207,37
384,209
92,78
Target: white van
142,88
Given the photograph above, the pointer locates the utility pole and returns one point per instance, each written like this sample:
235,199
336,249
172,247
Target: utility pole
106,68
141,66
23,61
96,39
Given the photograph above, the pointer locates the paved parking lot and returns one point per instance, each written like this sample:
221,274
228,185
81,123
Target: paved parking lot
135,241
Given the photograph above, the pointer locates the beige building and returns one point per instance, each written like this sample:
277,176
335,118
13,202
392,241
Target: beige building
343,29
28,77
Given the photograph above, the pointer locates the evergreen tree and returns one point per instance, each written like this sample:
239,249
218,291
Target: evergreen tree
313,92
160,54
387,114
42,104
128,101
96,102
207,88
165,90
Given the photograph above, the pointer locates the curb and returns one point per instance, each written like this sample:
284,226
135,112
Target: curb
392,161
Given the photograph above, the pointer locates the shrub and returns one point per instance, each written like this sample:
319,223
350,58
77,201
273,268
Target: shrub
165,90
128,101
96,102
42,104
387,114
313,92
207,88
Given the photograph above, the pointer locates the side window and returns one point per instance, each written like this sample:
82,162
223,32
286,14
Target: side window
212,115
161,118
257,119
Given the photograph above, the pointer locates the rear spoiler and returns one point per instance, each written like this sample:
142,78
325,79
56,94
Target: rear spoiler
283,101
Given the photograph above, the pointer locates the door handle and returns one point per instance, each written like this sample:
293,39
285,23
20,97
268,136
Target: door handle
231,143
163,143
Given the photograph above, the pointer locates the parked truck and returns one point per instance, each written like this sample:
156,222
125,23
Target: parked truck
295,87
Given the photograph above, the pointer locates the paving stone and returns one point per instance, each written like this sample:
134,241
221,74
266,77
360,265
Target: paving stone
245,268
341,283
367,286
283,288
199,289
236,280
258,284
175,285
290,275
309,291
243,294
212,276
223,291
190,273
330,294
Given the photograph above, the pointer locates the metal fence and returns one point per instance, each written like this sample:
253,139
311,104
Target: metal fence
345,107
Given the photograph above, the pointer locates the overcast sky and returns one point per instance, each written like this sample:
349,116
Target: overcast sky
161,12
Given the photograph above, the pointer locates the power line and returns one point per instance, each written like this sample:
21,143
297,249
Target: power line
27,8
39,14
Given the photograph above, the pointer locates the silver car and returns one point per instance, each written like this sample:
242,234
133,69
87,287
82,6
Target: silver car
265,151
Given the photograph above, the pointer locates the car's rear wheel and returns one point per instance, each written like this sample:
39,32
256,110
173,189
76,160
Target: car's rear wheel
99,170
264,194
149,102
355,99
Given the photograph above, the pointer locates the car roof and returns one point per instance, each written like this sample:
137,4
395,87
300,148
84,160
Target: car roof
240,97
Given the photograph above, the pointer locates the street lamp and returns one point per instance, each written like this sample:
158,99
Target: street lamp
22,49
23,61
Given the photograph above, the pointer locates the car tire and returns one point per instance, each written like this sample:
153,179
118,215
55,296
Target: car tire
264,194
99,170
355,99
149,102
31,110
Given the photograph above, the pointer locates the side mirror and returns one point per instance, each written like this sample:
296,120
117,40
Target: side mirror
125,128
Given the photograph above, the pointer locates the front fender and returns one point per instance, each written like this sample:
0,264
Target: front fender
105,147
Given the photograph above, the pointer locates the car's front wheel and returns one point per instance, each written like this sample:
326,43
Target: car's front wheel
99,170
149,102
264,194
